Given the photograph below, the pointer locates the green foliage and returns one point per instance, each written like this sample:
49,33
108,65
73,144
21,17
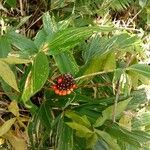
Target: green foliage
36,77
96,43
108,112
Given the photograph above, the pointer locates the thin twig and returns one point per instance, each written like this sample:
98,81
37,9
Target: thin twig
136,15
33,23
93,74
50,81
21,8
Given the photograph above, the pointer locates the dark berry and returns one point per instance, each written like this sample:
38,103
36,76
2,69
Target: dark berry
64,84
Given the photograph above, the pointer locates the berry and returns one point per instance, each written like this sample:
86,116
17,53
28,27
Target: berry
59,80
68,91
64,92
57,91
74,86
54,87
64,84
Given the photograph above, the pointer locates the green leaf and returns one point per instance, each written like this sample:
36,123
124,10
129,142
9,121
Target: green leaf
9,91
26,46
66,63
125,121
15,60
64,23
94,65
49,24
33,129
124,81
136,138
79,143
142,3
117,75
141,69
101,145
37,76
108,139
134,78
78,119
40,38
93,47
6,126
98,54
107,113
81,130
5,47
141,121
7,75
125,40
45,110
70,37
91,141
11,3
65,135
119,5
110,62
138,97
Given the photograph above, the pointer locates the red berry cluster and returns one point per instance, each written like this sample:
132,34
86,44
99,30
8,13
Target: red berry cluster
64,84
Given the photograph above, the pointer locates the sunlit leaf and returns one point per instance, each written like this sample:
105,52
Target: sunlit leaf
6,126
125,121
18,143
142,3
110,62
141,69
82,131
13,108
78,119
91,141
7,75
15,60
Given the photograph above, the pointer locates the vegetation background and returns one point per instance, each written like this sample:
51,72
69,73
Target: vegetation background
104,44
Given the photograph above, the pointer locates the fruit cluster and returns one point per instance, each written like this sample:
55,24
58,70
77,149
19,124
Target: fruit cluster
64,84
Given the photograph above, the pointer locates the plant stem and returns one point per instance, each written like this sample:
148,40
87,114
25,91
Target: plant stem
116,101
93,74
